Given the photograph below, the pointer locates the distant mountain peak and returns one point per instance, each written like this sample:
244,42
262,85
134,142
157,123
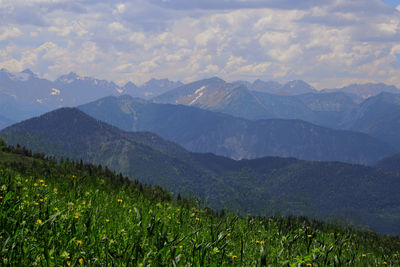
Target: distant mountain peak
28,71
215,79
69,78
130,85
22,76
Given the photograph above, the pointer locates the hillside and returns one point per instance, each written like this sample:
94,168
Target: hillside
255,101
205,131
216,95
79,214
378,116
390,163
288,186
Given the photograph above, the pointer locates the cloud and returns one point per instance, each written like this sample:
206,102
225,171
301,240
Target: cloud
328,43
9,32
237,4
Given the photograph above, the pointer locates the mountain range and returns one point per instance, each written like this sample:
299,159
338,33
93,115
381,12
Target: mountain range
35,95
256,100
377,115
205,131
261,186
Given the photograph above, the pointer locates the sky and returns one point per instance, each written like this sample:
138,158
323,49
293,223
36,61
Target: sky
329,43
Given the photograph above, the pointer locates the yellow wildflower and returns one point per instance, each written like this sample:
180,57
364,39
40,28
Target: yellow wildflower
80,261
119,200
79,243
180,246
76,216
257,242
39,221
197,219
73,177
55,189
35,203
262,242
107,220
123,206
309,235
68,263
56,209
83,202
35,184
228,234
364,255
42,181
26,195
41,200
130,210
309,264
259,231
45,198
234,257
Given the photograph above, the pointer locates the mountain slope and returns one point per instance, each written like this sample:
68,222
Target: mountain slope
378,116
303,103
93,216
390,163
296,87
369,89
216,95
204,131
82,137
358,194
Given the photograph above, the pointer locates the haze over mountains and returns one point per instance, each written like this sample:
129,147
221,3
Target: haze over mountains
24,95
378,115
32,95
204,131
291,186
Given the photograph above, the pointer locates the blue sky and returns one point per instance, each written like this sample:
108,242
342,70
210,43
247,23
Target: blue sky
393,3
327,43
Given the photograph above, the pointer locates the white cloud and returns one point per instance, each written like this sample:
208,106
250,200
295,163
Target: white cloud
326,44
116,26
9,32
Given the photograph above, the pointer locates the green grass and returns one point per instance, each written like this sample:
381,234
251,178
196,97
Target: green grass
71,214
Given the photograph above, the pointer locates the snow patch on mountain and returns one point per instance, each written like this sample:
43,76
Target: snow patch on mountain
199,93
55,91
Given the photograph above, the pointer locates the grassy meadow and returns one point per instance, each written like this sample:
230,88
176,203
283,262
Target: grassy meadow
71,214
